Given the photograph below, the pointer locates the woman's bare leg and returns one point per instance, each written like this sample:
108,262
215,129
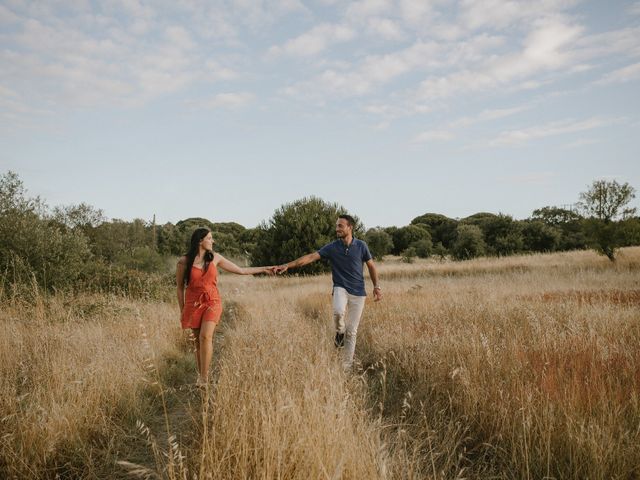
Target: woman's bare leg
206,349
195,338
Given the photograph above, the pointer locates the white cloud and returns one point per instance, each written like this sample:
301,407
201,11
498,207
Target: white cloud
314,41
226,100
433,135
501,14
487,115
373,71
522,136
385,28
179,37
582,142
546,48
634,9
415,12
621,75
367,8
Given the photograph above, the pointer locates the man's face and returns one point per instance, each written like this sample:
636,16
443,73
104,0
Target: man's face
342,228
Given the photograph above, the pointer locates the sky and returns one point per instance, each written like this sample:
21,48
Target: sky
228,109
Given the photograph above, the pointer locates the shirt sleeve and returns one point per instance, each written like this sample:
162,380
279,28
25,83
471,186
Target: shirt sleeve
324,251
366,254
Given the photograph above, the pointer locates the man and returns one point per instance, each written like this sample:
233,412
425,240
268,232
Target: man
347,256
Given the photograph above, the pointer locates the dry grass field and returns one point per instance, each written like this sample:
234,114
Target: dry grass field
520,367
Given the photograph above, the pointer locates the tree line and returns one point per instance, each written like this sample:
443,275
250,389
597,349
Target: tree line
71,247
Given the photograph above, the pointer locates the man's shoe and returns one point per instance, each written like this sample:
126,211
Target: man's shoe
339,340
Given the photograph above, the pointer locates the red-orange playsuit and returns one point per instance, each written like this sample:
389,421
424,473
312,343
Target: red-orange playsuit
202,301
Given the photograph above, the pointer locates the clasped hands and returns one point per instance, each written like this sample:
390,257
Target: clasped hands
276,269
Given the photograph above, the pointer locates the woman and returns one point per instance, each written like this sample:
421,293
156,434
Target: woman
198,297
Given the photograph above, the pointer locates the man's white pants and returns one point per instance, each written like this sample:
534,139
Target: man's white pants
347,310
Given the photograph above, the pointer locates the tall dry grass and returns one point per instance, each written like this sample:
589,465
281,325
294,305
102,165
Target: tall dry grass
522,367
76,373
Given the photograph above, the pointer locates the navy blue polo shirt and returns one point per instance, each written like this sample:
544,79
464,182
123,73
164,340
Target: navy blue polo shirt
347,264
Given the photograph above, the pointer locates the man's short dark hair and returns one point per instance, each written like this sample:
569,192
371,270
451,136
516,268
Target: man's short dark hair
350,220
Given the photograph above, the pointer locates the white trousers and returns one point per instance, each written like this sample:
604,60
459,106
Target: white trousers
347,310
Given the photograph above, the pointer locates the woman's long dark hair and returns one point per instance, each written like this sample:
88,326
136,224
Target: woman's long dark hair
194,248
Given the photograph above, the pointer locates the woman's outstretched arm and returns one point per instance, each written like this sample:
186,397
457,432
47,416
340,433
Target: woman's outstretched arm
229,266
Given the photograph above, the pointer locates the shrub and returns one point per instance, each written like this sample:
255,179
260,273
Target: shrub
380,242
469,242
296,229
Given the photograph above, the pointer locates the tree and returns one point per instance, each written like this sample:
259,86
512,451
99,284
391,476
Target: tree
570,224
441,227
32,245
380,242
501,233
405,237
299,228
469,242
423,248
605,202
540,237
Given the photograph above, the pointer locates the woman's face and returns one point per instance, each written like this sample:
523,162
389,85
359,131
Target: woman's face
207,242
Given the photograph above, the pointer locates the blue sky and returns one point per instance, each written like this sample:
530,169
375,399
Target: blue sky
392,108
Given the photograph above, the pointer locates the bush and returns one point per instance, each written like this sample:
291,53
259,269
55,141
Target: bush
32,246
540,237
296,229
469,242
405,237
423,248
409,255
441,227
380,242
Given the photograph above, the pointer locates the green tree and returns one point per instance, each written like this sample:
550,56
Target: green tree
603,203
469,242
405,237
502,234
380,242
441,227
32,245
570,224
607,200
296,229
423,248
540,237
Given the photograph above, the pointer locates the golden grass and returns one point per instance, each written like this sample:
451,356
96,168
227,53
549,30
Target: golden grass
521,367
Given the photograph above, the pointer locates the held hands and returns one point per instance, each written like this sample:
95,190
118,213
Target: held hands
280,269
274,269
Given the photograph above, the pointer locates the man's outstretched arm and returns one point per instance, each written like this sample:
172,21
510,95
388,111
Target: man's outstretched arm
299,262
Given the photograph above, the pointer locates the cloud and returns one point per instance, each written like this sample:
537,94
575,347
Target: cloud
522,136
385,28
634,9
368,8
487,115
582,142
314,41
126,54
500,14
545,48
621,75
433,135
226,100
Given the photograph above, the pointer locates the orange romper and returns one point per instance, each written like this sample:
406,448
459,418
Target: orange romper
202,301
